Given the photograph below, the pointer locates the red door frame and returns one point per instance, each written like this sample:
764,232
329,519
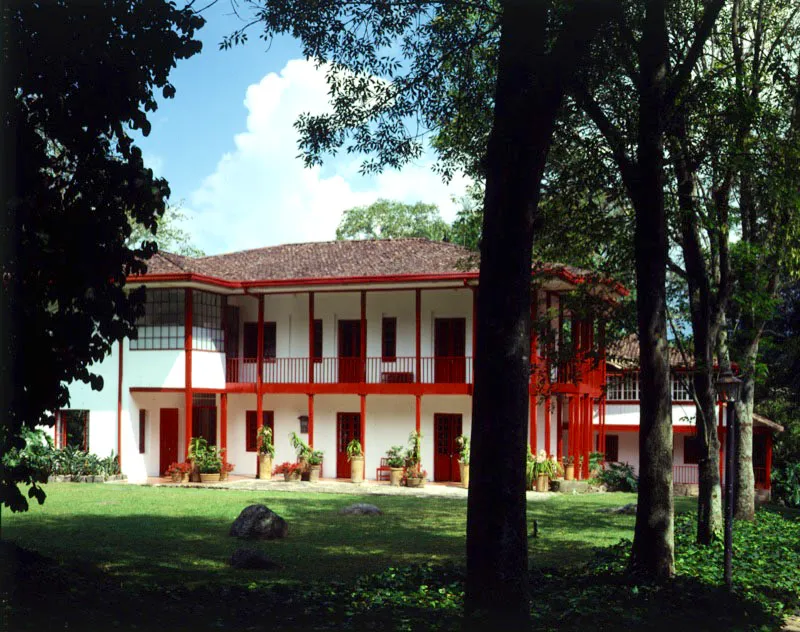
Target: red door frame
449,345
348,427
168,438
446,427
349,348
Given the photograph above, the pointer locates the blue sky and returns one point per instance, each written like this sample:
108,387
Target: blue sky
227,147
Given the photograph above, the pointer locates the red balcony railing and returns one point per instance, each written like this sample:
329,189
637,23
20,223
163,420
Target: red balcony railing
399,370
685,474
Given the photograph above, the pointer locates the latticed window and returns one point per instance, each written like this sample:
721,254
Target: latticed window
681,385
207,332
162,324
623,387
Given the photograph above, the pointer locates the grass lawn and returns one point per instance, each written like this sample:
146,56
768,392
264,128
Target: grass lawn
180,536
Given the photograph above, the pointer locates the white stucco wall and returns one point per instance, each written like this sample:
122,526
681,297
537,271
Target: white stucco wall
208,369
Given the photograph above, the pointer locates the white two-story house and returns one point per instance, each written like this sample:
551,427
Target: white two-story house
367,339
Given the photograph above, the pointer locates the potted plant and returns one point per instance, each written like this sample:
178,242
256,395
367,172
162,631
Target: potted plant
314,465
177,471
356,457
462,443
303,450
210,465
542,469
227,468
569,468
415,475
396,461
266,452
197,450
290,471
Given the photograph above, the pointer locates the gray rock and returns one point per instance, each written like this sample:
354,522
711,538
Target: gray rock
628,510
259,522
361,509
252,559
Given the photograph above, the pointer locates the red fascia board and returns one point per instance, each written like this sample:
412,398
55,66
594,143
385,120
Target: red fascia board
190,277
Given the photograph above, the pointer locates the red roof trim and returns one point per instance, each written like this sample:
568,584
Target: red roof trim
191,277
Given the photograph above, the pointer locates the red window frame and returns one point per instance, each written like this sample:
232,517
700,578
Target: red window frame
142,430
62,424
389,339
251,427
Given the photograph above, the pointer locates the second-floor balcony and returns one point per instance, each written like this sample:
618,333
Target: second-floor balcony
346,370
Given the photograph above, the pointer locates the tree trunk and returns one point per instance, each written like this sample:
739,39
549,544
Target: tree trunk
744,491
653,550
530,86
698,280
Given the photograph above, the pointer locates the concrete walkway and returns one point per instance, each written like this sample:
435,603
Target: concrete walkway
333,486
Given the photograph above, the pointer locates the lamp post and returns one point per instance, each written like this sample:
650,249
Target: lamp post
728,387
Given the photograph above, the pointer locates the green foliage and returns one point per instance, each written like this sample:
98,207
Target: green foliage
596,463
315,457
80,79
387,219
265,445
413,456
210,460
34,459
462,443
619,477
197,449
167,233
395,457
71,461
354,449
786,483
766,559
301,448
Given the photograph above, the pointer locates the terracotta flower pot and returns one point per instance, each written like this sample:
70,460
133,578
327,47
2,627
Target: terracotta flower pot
185,477
542,483
264,467
464,470
176,477
194,476
210,477
569,473
357,469
415,481
395,476
313,473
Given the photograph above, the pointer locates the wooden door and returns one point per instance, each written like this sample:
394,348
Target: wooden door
349,351
446,427
449,340
348,427
168,443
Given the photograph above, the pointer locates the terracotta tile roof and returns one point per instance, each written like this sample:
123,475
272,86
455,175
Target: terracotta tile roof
624,353
337,259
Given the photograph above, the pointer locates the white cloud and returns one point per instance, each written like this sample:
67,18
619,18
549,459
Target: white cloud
260,194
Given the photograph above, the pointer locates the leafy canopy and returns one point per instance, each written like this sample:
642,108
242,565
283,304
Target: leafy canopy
79,78
387,219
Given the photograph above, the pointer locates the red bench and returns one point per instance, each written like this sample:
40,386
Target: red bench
382,472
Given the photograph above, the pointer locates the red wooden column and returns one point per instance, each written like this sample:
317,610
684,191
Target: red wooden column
310,420
547,407
363,437
417,412
260,368
533,404
418,316
768,481
589,432
474,328
571,430
310,343
559,430
223,422
187,348
363,336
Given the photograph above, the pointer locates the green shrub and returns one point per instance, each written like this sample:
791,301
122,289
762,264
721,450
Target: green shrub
786,483
619,477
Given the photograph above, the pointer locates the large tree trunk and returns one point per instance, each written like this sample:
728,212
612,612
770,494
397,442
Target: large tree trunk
709,505
744,498
653,550
530,85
